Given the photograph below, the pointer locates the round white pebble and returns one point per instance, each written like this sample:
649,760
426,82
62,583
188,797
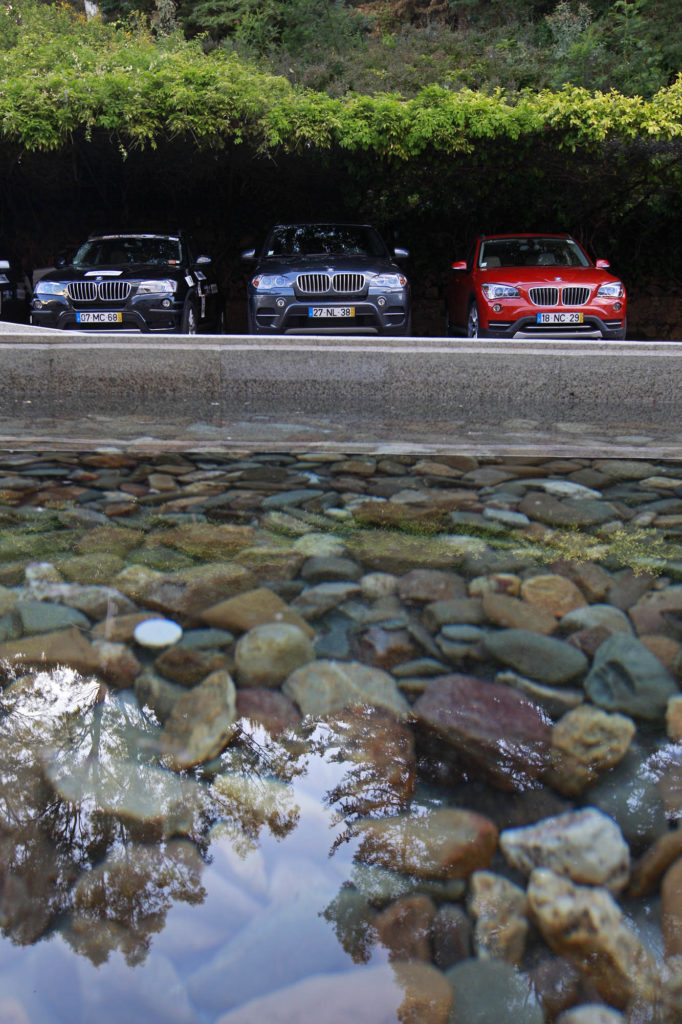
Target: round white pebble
157,632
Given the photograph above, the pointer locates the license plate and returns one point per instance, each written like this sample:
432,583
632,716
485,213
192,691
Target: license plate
560,318
342,311
99,318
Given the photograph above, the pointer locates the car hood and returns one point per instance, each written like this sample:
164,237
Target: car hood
130,272
322,264
546,275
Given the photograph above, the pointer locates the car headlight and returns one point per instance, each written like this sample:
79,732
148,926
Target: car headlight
164,287
264,282
388,281
50,288
611,290
500,291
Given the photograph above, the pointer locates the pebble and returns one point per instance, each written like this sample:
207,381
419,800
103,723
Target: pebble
157,632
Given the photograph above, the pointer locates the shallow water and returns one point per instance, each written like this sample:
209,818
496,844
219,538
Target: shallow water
336,825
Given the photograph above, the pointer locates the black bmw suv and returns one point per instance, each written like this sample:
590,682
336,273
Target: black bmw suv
132,282
327,279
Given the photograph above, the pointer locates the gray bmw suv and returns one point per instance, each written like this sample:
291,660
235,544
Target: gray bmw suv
327,279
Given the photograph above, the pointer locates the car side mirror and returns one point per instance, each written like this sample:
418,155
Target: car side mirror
249,254
603,264
401,254
459,265
202,261
61,261
4,264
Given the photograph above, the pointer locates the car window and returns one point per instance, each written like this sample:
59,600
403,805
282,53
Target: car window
531,252
324,240
120,249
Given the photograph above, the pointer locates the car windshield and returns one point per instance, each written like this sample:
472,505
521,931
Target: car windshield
113,250
324,240
531,252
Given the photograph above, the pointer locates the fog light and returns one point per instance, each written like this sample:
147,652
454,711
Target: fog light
617,306
166,303
381,301
497,308
37,304
281,303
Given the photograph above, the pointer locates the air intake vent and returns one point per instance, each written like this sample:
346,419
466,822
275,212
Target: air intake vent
575,296
349,284
83,291
544,296
114,291
313,284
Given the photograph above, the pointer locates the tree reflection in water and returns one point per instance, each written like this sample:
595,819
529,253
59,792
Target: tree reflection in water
98,839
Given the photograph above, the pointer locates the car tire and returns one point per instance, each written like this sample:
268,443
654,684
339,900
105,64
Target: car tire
473,320
189,321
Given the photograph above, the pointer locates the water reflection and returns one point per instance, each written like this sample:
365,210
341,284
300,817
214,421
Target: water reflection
460,801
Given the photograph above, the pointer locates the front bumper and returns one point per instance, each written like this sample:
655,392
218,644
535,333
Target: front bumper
593,326
388,313
145,315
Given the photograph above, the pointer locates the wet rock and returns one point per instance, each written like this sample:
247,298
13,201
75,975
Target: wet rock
553,700
267,654
188,666
404,928
267,708
585,925
671,909
545,659
594,1013
497,583
513,613
64,647
653,864
557,984
630,794
592,579
157,693
45,617
316,601
451,935
377,585
201,722
585,846
441,844
205,541
586,744
458,611
242,612
484,728
498,907
95,568
628,587
657,612
557,512
424,586
187,593
484,990
626,677
117,663
381,551
94,601
326,685
596,616
385,648
552,593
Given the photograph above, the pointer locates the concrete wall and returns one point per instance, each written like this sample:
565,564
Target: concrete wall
337,388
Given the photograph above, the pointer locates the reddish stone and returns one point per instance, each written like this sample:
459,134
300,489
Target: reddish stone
484,730
269,708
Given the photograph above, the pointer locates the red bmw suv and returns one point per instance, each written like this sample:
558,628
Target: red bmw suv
534,285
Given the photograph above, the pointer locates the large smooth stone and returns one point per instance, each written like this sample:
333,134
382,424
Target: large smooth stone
627,677
484,729
492,992
543,658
